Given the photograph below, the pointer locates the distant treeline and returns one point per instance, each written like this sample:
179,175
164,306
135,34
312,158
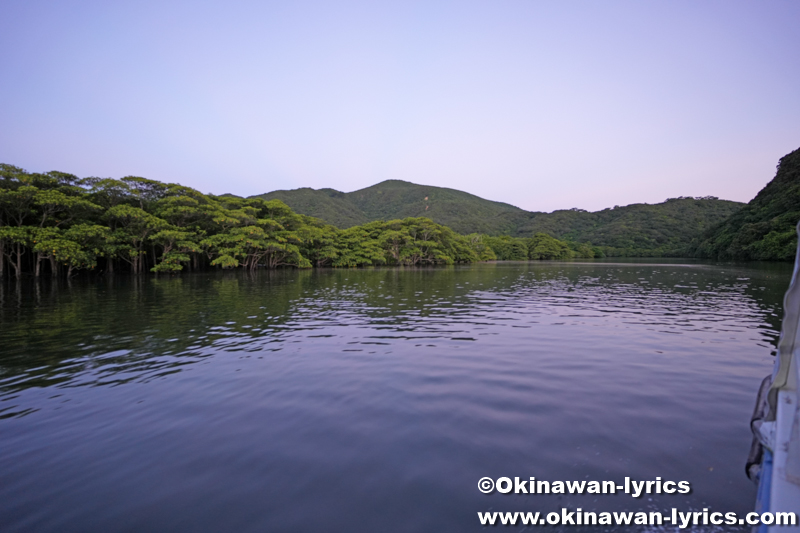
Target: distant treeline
765,229
540,246
637,230
56,224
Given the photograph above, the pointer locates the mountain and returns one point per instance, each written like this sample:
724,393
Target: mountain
326,204
638,229
393,199
764,229
666,228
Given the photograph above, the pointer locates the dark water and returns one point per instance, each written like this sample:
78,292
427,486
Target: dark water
374,400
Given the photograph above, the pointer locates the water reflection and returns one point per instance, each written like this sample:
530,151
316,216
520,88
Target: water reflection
299,400
123,328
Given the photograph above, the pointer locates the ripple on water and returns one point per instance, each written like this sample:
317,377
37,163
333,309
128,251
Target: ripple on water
301,400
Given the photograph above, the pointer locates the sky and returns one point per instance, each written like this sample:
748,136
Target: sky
541,104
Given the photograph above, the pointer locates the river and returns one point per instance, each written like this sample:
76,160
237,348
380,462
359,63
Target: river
375,399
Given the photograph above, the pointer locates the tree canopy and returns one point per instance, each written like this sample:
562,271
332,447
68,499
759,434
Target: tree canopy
58,224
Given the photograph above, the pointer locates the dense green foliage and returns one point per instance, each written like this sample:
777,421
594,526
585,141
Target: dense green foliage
765,228
56,223
635,230
540,246
392,199
326,204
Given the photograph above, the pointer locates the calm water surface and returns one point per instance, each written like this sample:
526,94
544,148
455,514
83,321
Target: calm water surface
374,400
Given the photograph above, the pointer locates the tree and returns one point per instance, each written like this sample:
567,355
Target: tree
358,246
76,248
508,248
543,246
14,240
176,246
479,243
132,228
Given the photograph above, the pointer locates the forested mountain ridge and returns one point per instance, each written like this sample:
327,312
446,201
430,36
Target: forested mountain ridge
638,229
392,199
328,204
667,228
764,229
57,224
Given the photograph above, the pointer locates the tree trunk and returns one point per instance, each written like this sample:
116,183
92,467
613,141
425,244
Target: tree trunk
53,267
38,266
19,261
13,265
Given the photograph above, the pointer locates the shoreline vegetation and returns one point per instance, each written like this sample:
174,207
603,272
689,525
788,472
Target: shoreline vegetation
56,224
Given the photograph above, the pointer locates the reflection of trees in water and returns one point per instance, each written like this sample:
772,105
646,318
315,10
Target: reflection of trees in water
117,329
124,328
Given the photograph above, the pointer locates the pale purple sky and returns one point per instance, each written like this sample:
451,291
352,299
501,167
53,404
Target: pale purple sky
542,104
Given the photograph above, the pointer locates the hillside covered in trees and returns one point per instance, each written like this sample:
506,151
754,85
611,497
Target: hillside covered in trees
391,199
57,224
764,229
664,229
